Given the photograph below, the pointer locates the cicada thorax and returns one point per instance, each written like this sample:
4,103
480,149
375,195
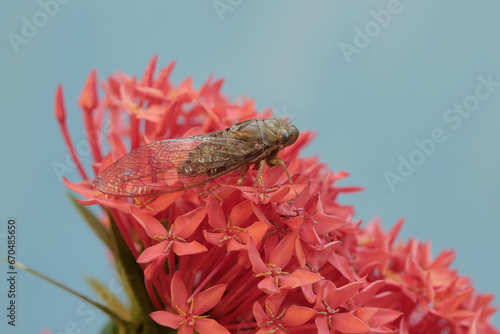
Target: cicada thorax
261,131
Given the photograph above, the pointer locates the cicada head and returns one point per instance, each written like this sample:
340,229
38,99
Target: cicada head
287,134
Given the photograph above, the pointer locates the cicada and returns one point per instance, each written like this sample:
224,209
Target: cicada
178,164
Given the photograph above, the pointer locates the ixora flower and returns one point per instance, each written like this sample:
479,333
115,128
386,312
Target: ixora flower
228,257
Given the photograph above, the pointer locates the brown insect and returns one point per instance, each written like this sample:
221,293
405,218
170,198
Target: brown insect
178,164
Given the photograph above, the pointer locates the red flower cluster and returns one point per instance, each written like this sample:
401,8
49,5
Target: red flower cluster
219,258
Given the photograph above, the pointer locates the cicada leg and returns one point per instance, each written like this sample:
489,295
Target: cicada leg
244,169
258,178
274,161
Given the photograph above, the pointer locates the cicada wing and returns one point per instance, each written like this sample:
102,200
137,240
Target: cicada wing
173,165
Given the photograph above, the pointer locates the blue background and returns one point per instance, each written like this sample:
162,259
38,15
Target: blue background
287,55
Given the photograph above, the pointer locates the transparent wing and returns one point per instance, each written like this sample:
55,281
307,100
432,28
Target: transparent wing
174,165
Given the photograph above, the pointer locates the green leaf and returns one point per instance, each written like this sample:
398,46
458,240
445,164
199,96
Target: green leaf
93,222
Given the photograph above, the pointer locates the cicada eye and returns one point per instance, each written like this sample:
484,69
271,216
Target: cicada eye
284,137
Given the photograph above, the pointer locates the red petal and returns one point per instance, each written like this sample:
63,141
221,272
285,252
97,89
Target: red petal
308,235
283,252
216,217
337,297
188,248
152,269
384,316
241,213
403,327
340,175
163,201
364,296
179,293
88,98
87,202
299,278
233,245
366,313
214,238
272,175
393,233
309,292
296,223
342,265
258,266
350,189
268,285
259,314
165,119
257,230
327,223
207,299
167,319
152,226
59,108
147,78
348,323
151,253
297,315
299,253
284,194
312,204
186,224
83,188
258,212
120,204
209,326
322,325
186,329
274,301
164,75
